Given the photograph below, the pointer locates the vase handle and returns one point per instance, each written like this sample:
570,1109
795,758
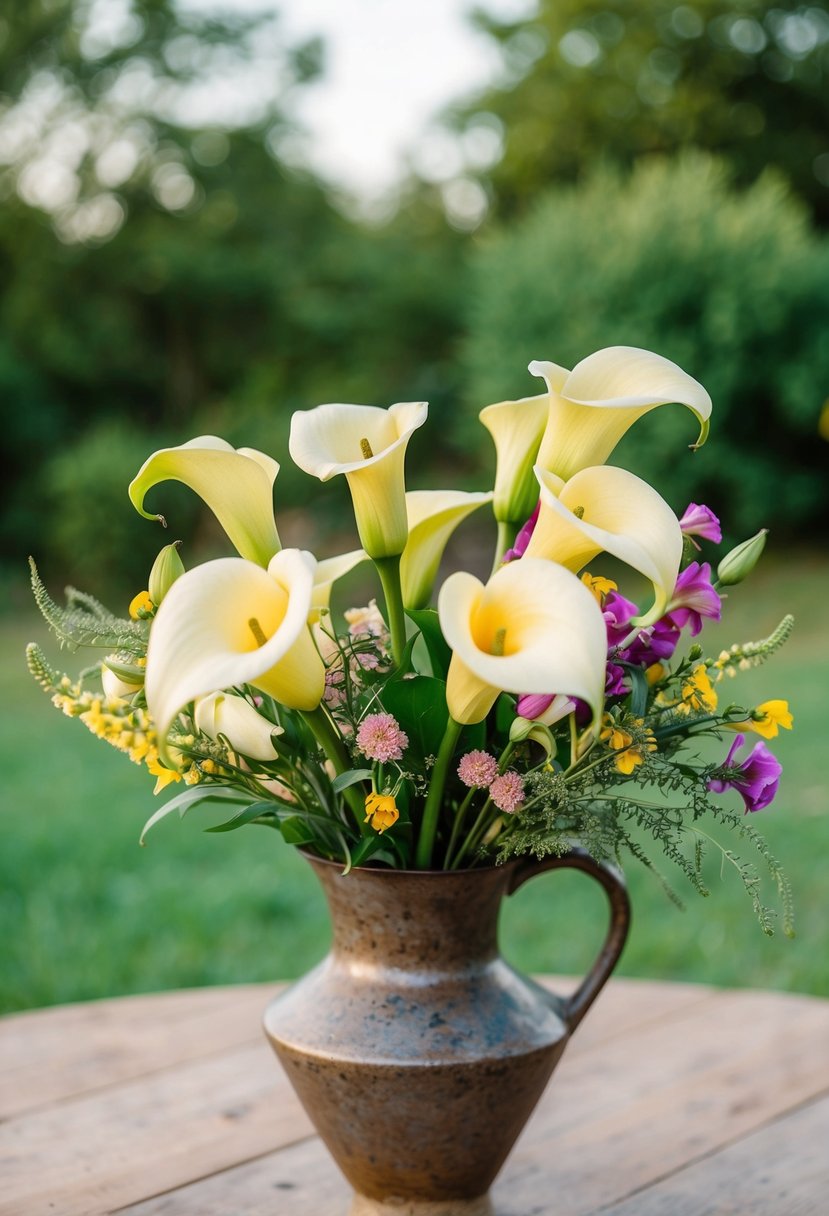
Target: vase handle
574,1008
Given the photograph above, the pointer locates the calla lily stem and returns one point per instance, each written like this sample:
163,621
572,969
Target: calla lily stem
431,808
329,739
507,533
389,570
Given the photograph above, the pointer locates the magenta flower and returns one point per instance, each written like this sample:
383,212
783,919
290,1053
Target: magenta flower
756,779
523,537
618,613
701,521
478,769
379,737
658,641
614,682
694,598
507,792
532,705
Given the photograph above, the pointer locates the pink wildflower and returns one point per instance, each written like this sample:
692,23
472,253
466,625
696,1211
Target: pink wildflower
507,792
478,769
379,737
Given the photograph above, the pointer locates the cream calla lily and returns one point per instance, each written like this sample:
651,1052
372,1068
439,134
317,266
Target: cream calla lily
229,622
235,719
236,484
533,628
432,516
368,445
516,428
606,509
591,407
326,574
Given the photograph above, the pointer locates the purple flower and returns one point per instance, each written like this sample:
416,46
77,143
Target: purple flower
694,598
618,613
701,521
614,681
658,641
756,779
523,537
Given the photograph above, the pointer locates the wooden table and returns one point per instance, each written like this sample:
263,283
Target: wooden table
672,1099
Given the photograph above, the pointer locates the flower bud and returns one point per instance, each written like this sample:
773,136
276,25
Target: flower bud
120,679
167,567
740,562
523,728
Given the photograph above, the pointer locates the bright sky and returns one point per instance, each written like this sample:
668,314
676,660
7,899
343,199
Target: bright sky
390,66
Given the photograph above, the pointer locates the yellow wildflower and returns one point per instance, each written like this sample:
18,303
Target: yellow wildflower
381,811
193,775
164,775
698,692
630,754
141,604
655,673
767,719
599,587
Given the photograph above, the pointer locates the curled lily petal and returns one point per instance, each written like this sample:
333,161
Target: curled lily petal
609,510
432,516
591,407
516,428
368,445
533,627
237,486
236,720
229,622
326,574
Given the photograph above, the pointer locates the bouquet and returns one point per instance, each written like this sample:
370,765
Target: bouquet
530,713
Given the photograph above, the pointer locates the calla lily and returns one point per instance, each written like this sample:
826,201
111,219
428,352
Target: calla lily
432,516
591,407
533,627
368,445
326,574
236,720
609,510
229,622
236,484
516,428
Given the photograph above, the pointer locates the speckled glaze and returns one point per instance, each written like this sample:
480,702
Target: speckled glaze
418,1052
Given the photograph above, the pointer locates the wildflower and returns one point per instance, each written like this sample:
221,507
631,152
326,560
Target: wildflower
547,708
694,598
698,692
701,521
164,775
523,537
756,779
507,792
600,587
614,682
379,737
141,605
767,719
630,753
366,622
381,811
478,769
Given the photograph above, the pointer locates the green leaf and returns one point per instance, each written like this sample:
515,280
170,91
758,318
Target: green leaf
296,831
367,847
428,623
245,815
419,705
639,689
344,780
194,794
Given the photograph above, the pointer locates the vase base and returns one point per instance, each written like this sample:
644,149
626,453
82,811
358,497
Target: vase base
482,1206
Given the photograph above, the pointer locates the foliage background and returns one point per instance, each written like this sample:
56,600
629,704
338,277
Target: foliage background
646,173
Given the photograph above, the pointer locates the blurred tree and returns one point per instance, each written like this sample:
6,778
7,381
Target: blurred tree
590,79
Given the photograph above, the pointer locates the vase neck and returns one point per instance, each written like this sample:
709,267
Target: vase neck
412,921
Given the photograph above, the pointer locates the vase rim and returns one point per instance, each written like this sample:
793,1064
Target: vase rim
488,869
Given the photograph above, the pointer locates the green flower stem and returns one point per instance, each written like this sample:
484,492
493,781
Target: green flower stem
507,533
389,570
431,808
457,825
477,831
330,740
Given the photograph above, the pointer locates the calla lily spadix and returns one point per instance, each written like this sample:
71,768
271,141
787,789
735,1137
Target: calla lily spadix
235,719
432,517
533,628
229,622
591,407
606,509
516,428
236,484
368,445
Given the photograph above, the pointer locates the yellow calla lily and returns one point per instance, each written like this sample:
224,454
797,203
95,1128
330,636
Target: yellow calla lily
236,484
516,428
432,517
591,407
533,628
229,622
235,719
606,509
368,445
326,574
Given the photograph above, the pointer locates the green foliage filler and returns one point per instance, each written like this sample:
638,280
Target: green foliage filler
732,285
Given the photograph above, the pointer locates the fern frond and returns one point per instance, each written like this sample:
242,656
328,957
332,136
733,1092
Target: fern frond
85,622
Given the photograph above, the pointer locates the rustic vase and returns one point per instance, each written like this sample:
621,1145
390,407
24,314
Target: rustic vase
417,1051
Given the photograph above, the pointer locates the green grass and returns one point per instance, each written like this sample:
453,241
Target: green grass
85,912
